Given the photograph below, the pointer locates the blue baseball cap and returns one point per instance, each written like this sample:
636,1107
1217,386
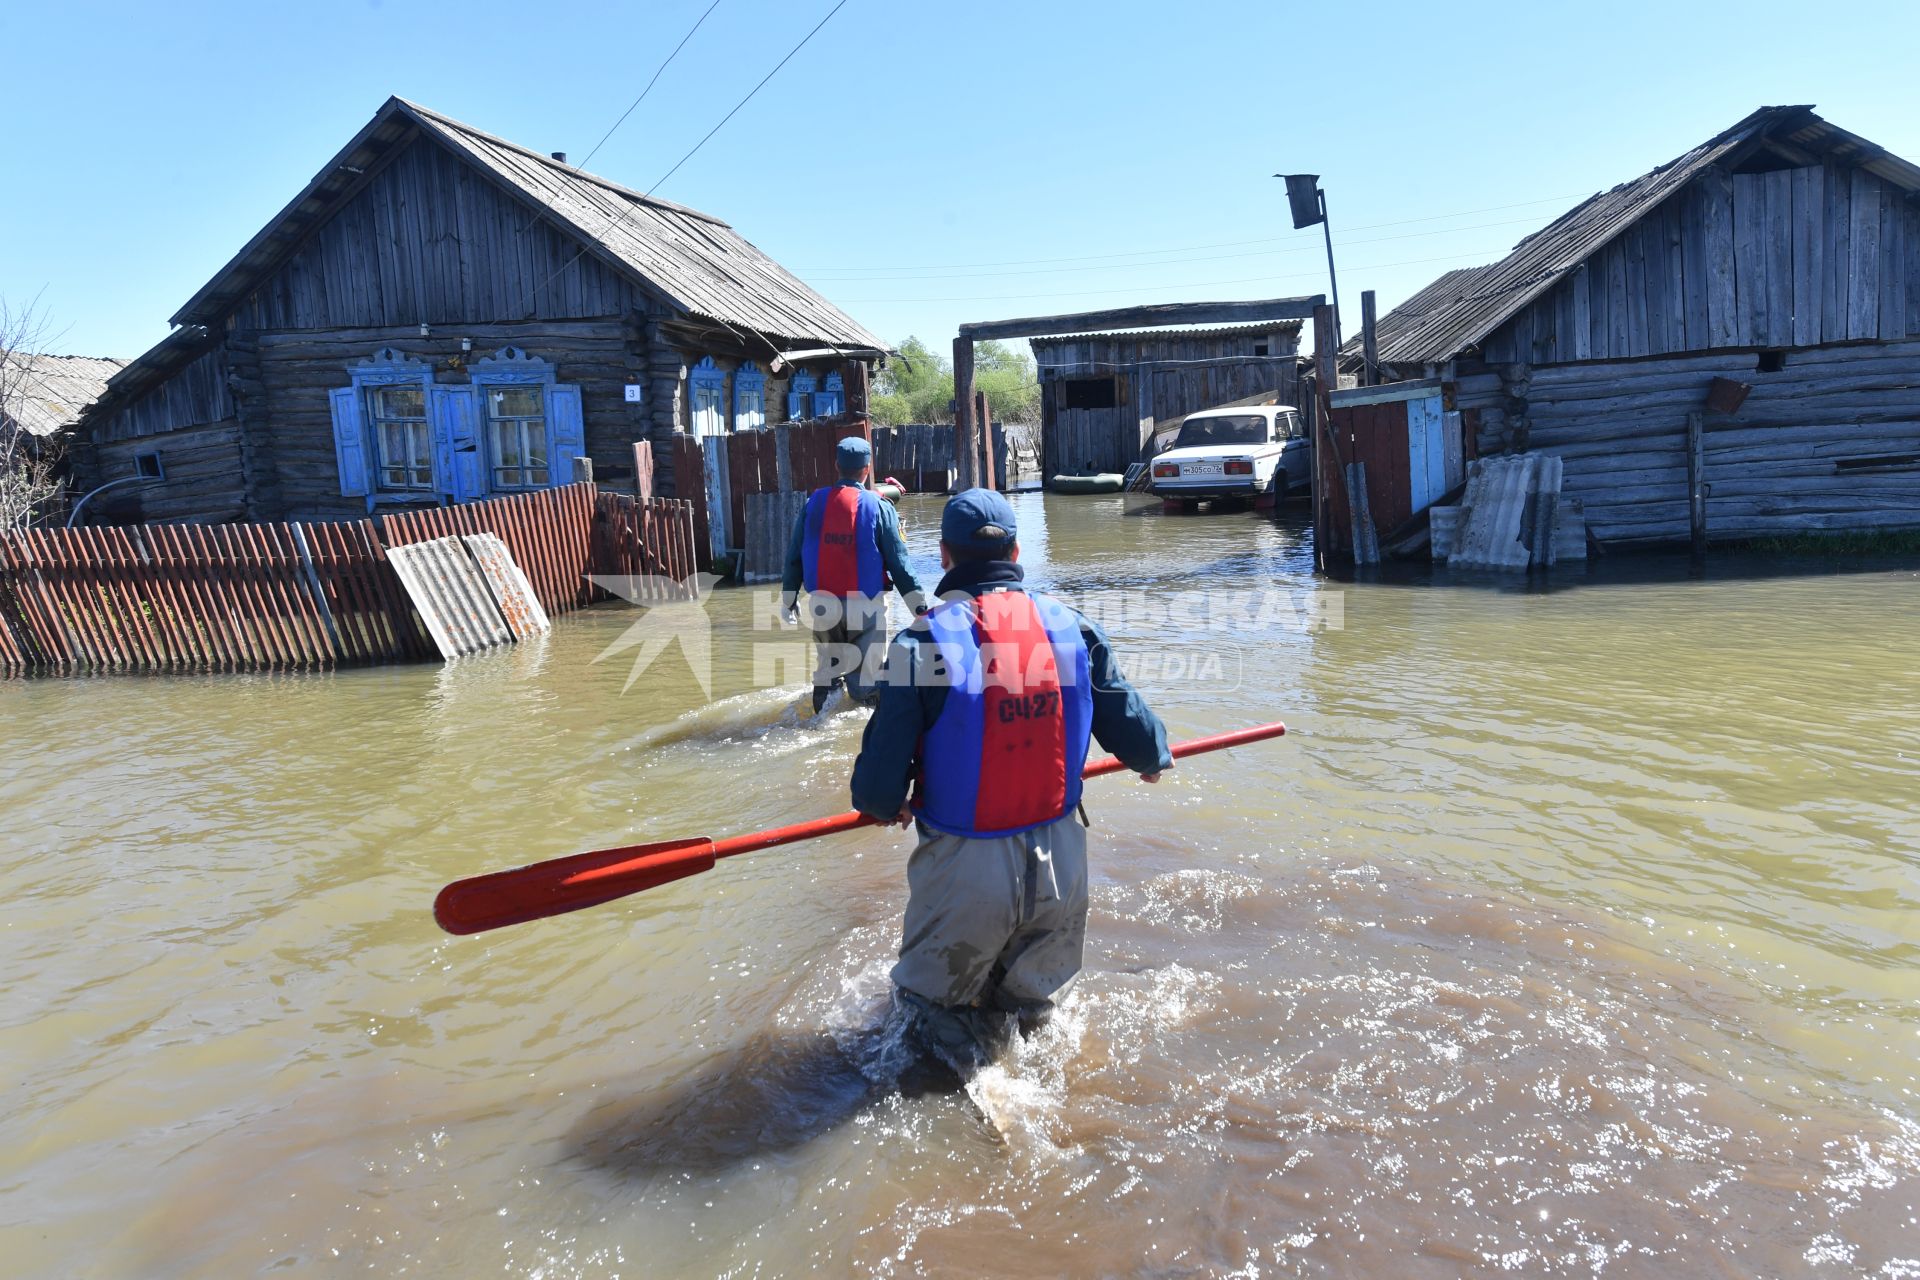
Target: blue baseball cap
978,520
853,453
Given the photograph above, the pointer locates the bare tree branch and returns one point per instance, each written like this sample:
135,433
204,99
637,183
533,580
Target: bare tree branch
30,480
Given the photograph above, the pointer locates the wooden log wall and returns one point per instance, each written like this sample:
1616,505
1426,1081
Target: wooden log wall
429,239
205,477
1788,258
1829,442
297,370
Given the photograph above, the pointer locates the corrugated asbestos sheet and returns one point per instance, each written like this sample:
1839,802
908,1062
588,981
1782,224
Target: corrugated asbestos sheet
1463,307
695,259
47,393
511,591
452,596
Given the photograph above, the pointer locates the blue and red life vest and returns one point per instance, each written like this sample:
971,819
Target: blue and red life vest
840,553
1006,752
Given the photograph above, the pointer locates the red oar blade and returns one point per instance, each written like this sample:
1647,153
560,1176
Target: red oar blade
552,888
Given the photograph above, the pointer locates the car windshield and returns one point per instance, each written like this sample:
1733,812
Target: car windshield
1250,428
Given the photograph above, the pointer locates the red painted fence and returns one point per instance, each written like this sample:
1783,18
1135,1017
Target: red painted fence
275,597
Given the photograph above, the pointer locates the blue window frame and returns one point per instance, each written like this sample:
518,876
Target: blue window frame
800,395
707,383
749,397
830,399
383,433
530,426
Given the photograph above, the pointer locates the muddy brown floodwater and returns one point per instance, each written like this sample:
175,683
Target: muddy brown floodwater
1570,932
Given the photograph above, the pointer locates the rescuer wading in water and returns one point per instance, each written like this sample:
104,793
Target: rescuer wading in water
987,709
846,548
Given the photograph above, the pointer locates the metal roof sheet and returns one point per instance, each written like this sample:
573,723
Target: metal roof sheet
1464,308
1173,335
45,394
694,259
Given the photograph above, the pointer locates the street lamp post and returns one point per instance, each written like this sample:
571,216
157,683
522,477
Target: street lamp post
1308,204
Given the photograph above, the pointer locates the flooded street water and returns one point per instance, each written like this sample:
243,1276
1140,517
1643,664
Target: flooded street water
1568,932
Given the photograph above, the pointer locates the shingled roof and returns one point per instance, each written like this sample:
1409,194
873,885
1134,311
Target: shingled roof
693,260
46,394
1462,308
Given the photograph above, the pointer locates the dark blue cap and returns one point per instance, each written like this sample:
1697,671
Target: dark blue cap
853,453
978,520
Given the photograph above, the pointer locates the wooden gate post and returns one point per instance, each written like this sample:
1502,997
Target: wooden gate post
966,445
983,414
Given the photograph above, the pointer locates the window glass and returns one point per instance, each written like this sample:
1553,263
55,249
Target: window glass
1234,429
517,436
405,445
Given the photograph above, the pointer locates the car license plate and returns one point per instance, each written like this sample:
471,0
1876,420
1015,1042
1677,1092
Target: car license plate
1199,468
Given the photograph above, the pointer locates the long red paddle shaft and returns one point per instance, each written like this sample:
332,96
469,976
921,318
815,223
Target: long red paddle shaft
582,880
852,819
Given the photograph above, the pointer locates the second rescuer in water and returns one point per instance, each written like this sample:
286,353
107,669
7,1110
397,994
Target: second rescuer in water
987,710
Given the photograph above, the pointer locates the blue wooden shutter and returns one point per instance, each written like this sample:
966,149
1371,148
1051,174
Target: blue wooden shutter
831,399
800,396
350,442
455,413
566,432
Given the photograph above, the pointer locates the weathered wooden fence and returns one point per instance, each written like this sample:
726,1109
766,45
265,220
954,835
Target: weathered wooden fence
183,598
269,597
718,472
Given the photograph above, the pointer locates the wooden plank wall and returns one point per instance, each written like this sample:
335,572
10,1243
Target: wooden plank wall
1158,378
1774,466
430,239
917,454
195,395
1790,258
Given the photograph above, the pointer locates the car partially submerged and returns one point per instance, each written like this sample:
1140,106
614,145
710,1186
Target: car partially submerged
1251,453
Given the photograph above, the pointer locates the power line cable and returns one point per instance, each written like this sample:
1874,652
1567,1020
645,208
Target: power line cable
657,73
631,205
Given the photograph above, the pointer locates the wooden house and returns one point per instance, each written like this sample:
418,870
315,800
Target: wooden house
442,315
1781,256
1102,395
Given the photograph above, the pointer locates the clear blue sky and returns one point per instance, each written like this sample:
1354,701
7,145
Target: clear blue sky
920,164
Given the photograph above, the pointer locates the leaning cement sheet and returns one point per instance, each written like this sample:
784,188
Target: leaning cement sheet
452,596
511,590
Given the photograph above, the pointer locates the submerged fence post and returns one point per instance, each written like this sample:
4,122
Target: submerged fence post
319,595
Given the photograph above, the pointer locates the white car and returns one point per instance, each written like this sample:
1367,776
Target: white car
1258,452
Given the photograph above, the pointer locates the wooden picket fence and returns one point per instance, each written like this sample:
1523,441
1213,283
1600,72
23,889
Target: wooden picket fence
299,596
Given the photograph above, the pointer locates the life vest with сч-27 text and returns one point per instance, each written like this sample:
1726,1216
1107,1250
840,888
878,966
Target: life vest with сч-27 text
840,554
1006,752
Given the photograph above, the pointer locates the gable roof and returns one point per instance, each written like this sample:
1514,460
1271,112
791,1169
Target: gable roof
46,394
695,261
1463,308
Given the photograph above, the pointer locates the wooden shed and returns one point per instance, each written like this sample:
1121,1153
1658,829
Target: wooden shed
442,315
1782,255
1102,394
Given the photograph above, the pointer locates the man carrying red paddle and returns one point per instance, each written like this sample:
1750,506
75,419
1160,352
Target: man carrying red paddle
987,709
